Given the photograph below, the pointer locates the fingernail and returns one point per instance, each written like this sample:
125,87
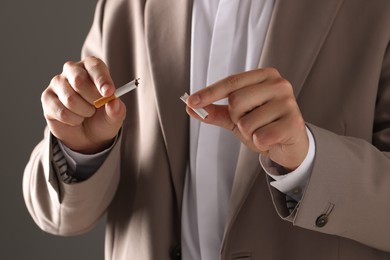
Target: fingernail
194,99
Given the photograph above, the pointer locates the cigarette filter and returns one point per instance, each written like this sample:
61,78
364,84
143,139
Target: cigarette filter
119,92
200,111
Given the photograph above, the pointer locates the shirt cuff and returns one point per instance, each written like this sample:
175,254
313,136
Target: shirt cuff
292,183
84,165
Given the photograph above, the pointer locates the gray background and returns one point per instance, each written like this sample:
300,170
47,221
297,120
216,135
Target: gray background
36,38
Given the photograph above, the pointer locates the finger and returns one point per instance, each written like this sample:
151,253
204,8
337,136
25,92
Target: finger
70,98
100,75
223,88
261,116
217,115
280,132
265,137
53,109
80,81
116,111
244,100
110,119
287,148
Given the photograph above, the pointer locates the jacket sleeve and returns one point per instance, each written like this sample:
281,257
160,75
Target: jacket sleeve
348,193
69,209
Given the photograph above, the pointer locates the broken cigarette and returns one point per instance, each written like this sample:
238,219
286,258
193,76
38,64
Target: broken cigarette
200,111
119,92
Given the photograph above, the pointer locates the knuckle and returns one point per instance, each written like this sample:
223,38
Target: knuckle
208,93
92,59
272,71
259,140
68,65
290,103
56,80
285,86
232,80
94,62
245,127
49,91
62,114
264,138
234,100
79,80
70,100
44,96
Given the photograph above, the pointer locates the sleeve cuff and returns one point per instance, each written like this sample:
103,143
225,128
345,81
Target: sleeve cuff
84,165
292,183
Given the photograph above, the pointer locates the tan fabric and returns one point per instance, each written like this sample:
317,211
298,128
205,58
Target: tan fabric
334,52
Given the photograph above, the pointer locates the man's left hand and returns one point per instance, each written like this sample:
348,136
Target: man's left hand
262,112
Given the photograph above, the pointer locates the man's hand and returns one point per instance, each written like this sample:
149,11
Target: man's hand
69,111
262,112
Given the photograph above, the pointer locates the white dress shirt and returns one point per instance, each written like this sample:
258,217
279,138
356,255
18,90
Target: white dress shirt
227,38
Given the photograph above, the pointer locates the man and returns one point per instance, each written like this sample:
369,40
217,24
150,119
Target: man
320,103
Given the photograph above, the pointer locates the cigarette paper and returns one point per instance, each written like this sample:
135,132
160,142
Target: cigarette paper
200,111
119,92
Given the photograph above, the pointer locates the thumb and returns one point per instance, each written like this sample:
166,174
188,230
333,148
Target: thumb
112,116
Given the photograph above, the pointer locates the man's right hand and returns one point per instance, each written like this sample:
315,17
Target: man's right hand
69,111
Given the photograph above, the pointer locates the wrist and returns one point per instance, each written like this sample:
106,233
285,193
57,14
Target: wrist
91,148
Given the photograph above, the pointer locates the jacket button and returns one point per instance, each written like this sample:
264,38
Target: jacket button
322,220
176,253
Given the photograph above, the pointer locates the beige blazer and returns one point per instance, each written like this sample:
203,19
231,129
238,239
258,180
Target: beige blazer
334,52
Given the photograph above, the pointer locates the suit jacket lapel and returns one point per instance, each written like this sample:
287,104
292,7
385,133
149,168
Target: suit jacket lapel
296,33
168,33
294,39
